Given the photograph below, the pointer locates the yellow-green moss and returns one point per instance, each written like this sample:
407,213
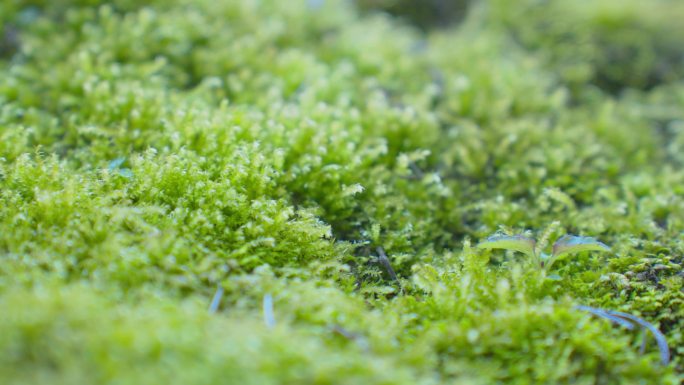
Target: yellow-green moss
153,151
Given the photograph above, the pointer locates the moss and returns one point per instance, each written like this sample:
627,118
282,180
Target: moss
425,14
153,151
612,44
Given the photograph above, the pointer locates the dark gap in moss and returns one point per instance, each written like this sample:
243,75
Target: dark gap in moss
424,14
9,41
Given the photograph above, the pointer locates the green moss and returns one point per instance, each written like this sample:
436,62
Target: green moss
615,44
153,151
425,14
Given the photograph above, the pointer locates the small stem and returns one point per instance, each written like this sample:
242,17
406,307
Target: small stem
385,262
216,301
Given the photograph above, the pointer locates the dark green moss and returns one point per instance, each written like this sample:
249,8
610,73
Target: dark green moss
424,14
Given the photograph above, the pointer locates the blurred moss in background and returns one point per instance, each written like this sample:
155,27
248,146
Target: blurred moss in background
424,14
614,44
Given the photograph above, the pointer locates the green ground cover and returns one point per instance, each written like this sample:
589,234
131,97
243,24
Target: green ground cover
154,151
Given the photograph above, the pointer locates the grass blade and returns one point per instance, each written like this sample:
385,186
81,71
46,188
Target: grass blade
216,301
628,321
605,314
269,319
659,337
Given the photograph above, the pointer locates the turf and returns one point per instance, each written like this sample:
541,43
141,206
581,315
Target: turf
290,192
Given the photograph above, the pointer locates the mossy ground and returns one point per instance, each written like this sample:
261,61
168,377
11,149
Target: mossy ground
153,151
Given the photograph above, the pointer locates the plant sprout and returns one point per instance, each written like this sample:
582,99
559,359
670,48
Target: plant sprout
567,244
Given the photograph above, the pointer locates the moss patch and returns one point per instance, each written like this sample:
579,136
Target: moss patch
153,151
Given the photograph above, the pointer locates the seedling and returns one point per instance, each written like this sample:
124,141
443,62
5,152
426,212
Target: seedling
567,244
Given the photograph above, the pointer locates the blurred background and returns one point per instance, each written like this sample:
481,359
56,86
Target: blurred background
614,43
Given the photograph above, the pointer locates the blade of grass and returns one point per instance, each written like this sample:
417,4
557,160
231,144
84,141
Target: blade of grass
659,337
605,314
269,319
628,320
216,301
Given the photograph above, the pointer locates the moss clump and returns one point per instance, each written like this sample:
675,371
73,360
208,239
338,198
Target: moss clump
424,14
153,151
615,44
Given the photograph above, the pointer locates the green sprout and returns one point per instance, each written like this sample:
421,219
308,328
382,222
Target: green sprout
567,244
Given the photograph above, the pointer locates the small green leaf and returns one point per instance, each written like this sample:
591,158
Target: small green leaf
509,242
116,163
574,244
